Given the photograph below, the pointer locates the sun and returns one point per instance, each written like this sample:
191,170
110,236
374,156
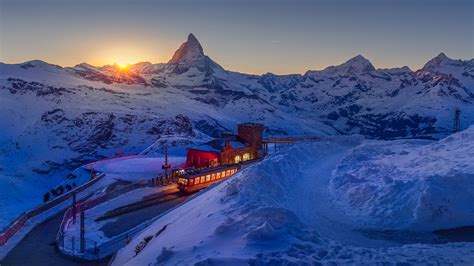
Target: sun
122,65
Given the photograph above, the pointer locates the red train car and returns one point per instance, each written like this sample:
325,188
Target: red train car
196,180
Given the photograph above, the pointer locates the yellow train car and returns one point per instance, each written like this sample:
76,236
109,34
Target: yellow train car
196,180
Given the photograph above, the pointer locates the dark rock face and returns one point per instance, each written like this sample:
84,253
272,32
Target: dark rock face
189,51
210,127
180,125
158,83
394,125
275,83
55,116
23,87
110,75
190,54
94,131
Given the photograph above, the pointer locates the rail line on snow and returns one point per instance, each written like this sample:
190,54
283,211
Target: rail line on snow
142,204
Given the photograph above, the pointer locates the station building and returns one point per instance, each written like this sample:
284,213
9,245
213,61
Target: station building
246,145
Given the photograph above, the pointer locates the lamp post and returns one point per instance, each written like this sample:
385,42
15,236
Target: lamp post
83,232
74,207
166,166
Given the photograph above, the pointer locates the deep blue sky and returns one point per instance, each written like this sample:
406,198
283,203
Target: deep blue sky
248,36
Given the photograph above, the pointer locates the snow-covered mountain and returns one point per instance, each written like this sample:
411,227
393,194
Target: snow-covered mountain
57,118
353,97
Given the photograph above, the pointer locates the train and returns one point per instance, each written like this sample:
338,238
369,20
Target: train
192,181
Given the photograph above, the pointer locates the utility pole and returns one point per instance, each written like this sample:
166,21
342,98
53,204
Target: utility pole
83,232
166,166
457,120
74,207
92,173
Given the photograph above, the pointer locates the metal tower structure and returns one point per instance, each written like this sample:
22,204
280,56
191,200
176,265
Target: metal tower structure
457,120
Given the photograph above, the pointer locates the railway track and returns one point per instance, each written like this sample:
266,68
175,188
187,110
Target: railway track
144,203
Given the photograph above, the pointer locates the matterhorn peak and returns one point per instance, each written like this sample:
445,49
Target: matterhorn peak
191,55
188,52
192,39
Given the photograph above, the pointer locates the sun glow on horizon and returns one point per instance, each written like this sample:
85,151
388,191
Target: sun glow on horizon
123,54
122,65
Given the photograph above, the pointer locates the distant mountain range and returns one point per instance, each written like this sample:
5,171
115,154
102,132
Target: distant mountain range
59,118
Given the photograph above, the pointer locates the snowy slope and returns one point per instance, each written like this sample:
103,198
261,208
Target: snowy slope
282,210
135,169
409,184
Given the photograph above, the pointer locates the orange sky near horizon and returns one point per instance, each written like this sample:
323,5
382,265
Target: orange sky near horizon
249,36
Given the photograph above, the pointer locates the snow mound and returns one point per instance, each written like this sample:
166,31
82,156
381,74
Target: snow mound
409,184
134,169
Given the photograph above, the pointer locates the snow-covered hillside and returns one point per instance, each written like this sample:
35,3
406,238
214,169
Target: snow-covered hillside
409,184
284,210
56,119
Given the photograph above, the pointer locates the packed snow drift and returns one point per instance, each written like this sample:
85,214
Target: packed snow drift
409,184
138,168
292,208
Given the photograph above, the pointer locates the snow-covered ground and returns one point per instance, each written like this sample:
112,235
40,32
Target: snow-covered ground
94,230
127,169
131,168
409,184
100,185
134,169
292,208
19,195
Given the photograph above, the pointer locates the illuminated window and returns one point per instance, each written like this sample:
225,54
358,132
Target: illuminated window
191,181
196,180
246,157
203,179
237,159
213,162
183,181
213,176
208,178
228,172
223,174
218,175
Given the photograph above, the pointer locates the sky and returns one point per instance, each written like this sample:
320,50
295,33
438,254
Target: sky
251,36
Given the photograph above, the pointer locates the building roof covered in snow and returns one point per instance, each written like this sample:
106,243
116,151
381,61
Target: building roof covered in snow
218,144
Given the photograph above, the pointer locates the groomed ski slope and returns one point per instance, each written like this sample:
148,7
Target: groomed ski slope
291,207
